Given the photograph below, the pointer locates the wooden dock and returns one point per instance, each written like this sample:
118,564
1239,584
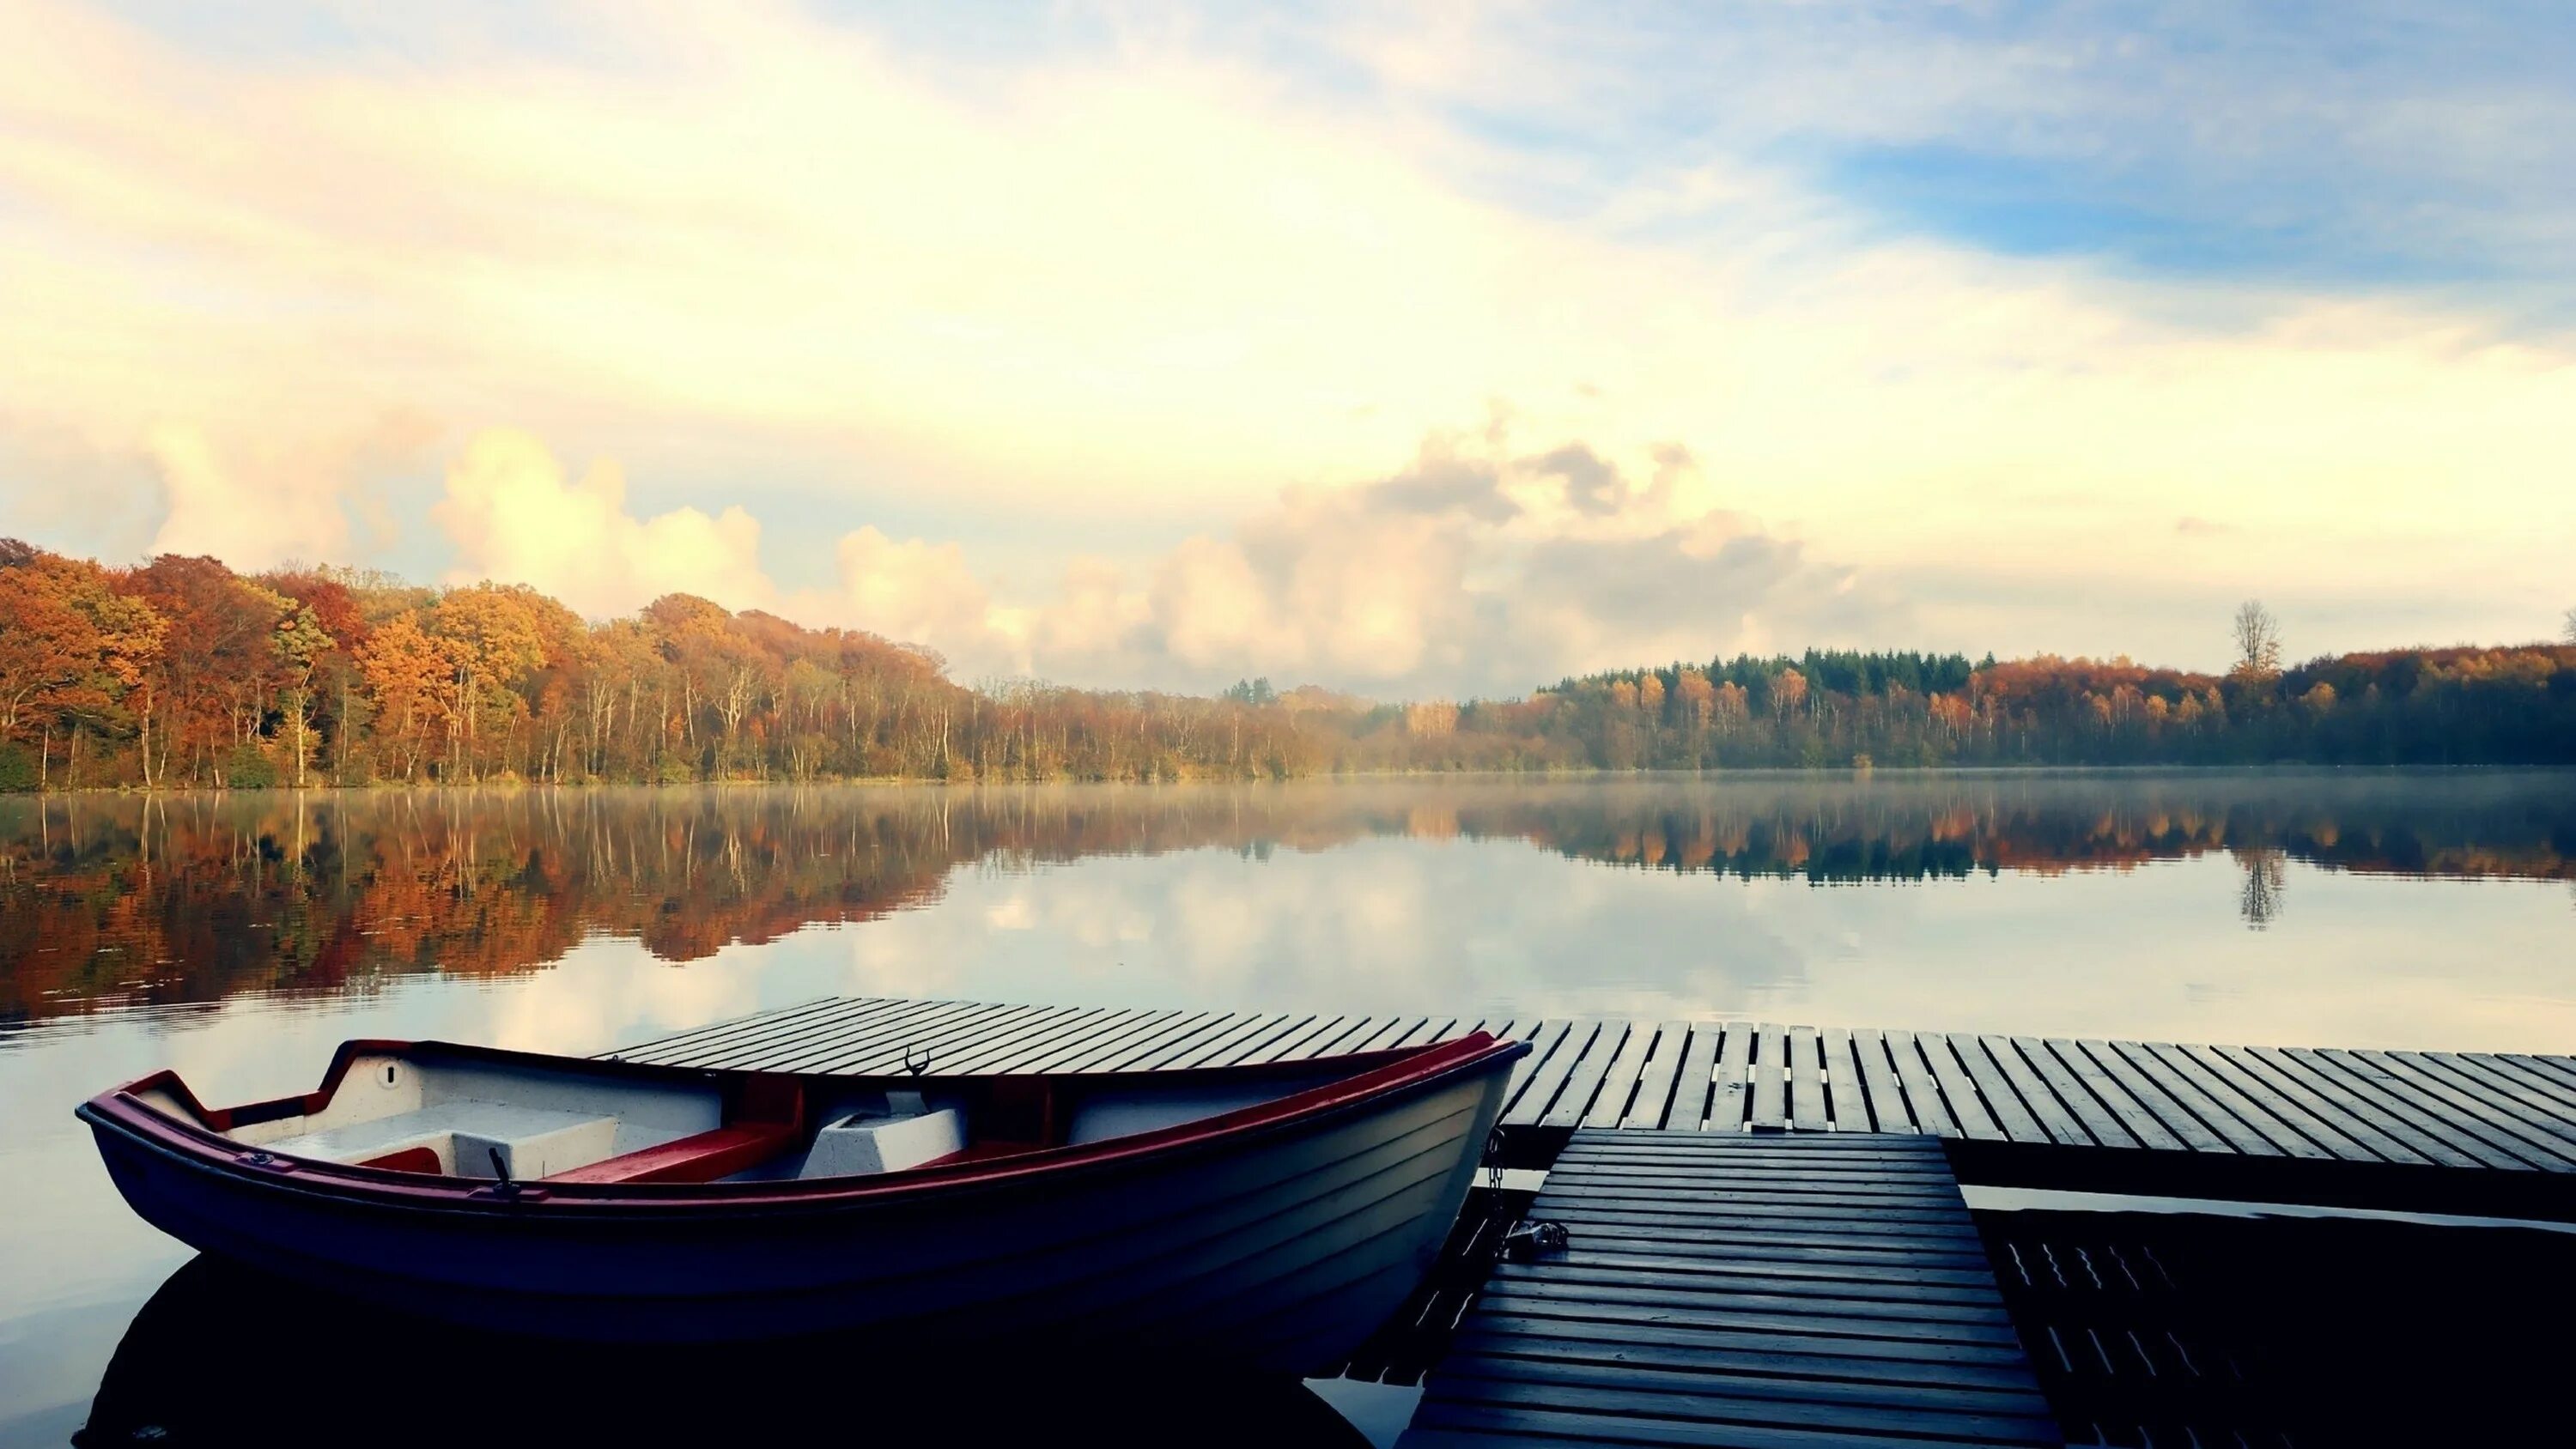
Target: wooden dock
2428,1130
1769,1293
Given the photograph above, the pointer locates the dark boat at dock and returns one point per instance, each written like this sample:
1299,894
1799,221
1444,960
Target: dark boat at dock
1265,1217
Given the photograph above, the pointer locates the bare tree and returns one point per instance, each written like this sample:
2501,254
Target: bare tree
2568,632
2258,641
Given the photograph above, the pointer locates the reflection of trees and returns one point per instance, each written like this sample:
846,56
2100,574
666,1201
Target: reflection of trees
1943,827
185,898
2266,884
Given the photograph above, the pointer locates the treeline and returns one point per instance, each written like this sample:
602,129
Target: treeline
2466,705
181,673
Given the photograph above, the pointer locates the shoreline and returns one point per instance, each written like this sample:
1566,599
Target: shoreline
1595,776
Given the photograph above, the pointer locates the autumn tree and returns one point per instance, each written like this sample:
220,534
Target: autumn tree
212,679
332,682
487,639
71,647
2258,642
300,644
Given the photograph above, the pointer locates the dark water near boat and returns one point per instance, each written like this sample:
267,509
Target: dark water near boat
238,938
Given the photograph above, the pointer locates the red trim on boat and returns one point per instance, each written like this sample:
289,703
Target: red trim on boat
409,1159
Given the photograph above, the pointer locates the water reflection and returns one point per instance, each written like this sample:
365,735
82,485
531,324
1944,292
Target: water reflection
224,1355
2266,882
239,938
186,900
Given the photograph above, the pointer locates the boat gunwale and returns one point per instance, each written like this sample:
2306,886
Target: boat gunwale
1386,1075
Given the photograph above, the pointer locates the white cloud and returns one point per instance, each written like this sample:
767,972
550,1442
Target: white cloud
516,517
919,593
1476,569
287,510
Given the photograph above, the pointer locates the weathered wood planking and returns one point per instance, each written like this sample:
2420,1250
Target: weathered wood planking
1730,1289
2512,1113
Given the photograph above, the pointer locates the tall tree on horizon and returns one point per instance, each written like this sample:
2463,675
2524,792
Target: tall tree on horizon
2258,641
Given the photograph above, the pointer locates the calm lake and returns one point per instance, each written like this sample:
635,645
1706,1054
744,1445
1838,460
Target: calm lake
238,938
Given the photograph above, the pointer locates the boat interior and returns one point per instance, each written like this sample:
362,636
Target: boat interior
472,1114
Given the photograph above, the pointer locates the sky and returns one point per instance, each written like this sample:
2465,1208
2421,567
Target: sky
1406,349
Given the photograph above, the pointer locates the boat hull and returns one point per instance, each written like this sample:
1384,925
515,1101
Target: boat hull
1278,1248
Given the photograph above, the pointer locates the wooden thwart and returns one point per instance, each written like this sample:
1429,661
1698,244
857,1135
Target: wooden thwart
1677,1316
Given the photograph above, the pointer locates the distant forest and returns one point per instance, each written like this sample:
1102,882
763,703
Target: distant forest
184,674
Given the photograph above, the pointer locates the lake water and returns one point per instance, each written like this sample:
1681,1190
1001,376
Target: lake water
238,938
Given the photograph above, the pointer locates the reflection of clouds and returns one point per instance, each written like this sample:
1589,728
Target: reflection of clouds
596,998
1376,926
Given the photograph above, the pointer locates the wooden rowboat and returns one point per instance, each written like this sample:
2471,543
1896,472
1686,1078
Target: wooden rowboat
1265,1217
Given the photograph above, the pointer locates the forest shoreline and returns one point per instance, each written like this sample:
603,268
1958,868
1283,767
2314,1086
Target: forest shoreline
181,672
1578,774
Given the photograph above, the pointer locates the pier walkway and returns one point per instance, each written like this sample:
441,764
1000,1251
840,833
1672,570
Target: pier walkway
1763,1292
2429,1130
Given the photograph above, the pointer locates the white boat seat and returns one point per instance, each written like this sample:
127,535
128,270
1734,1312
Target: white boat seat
532,1141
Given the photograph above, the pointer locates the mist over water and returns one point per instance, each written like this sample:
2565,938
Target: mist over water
239,937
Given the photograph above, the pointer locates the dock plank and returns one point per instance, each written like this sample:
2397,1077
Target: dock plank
2221,1075
2364,1140
2075,1115
1547,1079
2384,1113
2521,1070
2509,1094
1731,1100
1883,1097
1696,1079
1590,1070
1770,1111
1846,1103
802,1039
1996,1090
1546,1039
1622,1083
1229,1038
1671,1318
1959,1090
1655,1082
1134,1051
2237,1106
2149,1093
2556,1154
1808,1109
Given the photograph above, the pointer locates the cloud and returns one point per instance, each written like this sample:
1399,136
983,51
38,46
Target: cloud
919,593
266,511
1475,569
1067,307
515,516
1590,484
